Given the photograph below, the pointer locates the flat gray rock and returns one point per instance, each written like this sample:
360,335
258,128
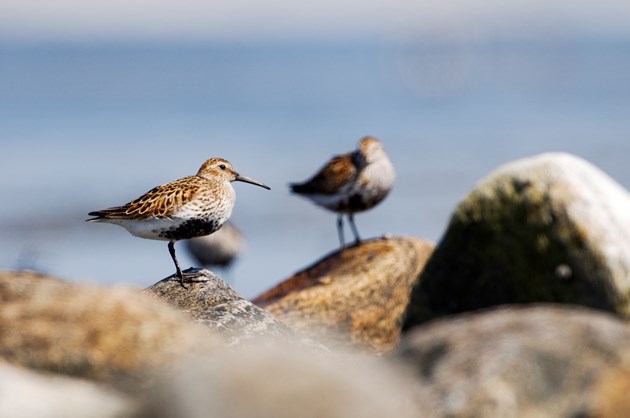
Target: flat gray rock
552,228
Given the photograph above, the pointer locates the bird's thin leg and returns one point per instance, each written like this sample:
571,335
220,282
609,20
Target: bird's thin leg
171,250
354,229
342,241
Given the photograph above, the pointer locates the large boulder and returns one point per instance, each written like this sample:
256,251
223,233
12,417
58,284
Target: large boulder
354,298
114,335
551,228
527,361
211,302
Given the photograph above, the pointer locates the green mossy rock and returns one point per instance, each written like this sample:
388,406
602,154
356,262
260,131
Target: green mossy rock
552,228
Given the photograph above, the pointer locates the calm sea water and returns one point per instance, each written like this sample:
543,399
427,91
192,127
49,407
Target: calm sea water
87,126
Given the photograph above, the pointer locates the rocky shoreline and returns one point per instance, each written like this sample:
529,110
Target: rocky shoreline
520,310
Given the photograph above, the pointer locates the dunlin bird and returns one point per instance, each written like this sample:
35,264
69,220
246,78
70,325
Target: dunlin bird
218,249
351,183
189,207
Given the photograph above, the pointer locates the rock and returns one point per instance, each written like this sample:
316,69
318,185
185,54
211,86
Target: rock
354,298
26,394
279,382
113,335
551,228
217,249
214,304
519,361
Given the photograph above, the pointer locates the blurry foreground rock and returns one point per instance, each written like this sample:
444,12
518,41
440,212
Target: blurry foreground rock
551,228
27,394
354,298
536,361
114,335
214,304
281,382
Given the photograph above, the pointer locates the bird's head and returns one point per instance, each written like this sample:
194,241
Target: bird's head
371,149
218,169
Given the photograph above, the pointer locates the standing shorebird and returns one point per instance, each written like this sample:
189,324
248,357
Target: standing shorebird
351,183
189,207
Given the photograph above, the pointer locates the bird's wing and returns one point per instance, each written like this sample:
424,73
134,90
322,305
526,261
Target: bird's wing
159,202
340,171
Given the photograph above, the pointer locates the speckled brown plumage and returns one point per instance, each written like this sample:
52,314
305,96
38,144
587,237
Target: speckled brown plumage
338,172
160,202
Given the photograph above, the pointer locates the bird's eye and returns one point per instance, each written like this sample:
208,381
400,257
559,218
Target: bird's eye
222,166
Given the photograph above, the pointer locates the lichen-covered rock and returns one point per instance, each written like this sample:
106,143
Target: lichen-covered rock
283,382
214,304
519,361
551,228
353,298
114,335
27,394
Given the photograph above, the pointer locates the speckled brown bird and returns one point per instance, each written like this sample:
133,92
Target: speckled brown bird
351,183
189,207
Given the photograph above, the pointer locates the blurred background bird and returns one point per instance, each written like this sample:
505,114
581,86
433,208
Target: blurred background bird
219,249
351,183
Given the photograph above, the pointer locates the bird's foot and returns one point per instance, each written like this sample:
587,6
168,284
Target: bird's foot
197,275
180,276
191,275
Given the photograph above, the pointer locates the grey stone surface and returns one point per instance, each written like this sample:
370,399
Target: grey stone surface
214,304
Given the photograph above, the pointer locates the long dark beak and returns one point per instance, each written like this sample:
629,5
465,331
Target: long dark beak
250,181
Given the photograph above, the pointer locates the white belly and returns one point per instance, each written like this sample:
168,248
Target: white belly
148,229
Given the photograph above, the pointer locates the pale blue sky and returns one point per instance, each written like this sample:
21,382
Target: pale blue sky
322,19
